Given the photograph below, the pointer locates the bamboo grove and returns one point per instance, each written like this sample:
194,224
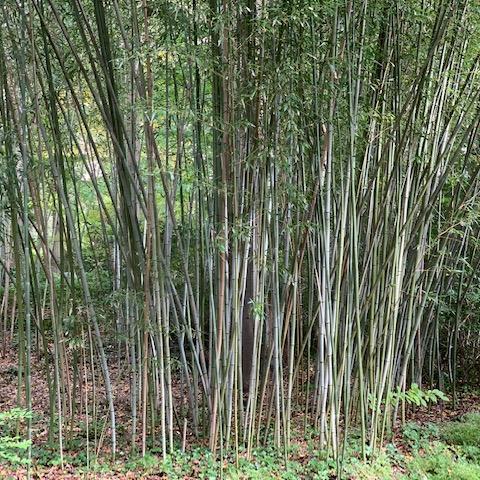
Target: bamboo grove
262,214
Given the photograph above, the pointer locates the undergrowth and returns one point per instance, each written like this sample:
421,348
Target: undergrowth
435,451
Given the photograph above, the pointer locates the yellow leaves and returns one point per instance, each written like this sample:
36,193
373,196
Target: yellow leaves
161,54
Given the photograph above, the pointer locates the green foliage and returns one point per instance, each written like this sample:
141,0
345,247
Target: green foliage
439,463
418,436
320,469
13,447
379,467
448,451
46,456
415,395
465,432
147,462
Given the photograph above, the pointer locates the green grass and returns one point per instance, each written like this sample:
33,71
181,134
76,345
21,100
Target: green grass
438,462
464,432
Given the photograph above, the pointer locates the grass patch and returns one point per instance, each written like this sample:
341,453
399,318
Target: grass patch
464,432
438,462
